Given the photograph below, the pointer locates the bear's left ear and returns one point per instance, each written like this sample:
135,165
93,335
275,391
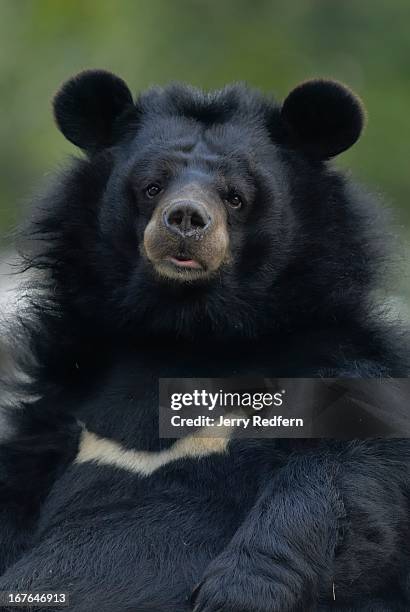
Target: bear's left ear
322,118
87,106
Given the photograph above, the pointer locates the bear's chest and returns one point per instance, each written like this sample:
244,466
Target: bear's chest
121,402
195,491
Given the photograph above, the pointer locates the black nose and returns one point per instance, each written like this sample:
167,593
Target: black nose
187,218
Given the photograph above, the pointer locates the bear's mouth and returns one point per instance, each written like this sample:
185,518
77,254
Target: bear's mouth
185,262
181,266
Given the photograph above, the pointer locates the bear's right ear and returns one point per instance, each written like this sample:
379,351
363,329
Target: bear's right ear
86,107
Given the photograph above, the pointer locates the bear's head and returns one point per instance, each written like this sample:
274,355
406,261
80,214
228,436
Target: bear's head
198,210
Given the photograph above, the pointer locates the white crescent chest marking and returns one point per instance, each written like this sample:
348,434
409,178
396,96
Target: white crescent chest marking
108,452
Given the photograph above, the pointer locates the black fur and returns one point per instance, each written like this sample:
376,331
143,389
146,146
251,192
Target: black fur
270,526
87,106
324,118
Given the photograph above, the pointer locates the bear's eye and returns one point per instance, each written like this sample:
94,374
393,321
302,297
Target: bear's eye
234,200
153,190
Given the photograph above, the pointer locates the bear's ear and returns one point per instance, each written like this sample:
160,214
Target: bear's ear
322,118
86,107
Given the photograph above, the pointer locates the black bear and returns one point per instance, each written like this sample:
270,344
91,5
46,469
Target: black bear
202,234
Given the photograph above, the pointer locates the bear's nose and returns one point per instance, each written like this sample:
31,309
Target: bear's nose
187,218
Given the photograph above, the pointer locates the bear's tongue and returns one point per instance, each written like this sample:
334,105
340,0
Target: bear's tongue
185,262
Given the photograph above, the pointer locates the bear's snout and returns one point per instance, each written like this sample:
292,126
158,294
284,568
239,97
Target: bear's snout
187,237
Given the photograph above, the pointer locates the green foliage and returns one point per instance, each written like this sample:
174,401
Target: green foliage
271,44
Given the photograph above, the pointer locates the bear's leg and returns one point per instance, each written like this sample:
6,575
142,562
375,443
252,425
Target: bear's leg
330,526
15,534
30,460
283,550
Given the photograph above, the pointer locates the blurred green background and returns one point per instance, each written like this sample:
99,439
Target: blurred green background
272,45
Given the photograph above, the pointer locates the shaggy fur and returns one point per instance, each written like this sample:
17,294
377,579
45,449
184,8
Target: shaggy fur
260,525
